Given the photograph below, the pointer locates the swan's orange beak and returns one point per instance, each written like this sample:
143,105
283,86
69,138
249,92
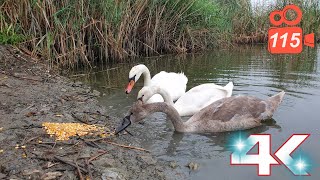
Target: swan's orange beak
130,86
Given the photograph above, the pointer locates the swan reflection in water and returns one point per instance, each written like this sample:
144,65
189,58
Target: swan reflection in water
219,142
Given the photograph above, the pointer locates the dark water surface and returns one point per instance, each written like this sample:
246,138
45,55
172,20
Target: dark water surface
254,72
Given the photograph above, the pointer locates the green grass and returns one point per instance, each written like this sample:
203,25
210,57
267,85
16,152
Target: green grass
8,33
11,38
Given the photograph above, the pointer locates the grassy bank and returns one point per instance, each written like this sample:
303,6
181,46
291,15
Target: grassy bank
70,32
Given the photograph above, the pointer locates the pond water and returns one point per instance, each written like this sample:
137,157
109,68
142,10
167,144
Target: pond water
254,72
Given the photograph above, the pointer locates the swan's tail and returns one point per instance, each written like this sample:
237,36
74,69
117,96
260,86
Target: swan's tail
229,88
275,100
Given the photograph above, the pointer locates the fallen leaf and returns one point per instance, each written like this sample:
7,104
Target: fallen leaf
5,77
28,172
50,164
29,114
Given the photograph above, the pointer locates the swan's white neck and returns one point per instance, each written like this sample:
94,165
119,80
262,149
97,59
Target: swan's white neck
165,95
146,75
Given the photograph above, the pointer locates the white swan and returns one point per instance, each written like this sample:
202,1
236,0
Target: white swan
174,83
192,101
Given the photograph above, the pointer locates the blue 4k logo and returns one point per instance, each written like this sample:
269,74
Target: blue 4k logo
264,159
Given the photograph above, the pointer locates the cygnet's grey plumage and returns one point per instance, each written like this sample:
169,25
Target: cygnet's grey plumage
228,114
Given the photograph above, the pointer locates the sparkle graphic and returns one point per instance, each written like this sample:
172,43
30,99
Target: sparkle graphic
240,145
301,166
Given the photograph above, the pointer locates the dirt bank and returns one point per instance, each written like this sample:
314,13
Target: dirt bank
31,94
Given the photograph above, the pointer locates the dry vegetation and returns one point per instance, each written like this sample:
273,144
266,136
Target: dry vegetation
69,33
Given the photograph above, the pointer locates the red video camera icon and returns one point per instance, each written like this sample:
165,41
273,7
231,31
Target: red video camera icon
287,40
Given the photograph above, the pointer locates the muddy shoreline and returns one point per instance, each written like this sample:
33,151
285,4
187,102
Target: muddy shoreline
31,94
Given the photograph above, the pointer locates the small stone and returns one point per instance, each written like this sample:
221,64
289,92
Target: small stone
193,166
2,176
45,110
63,90
96,93
19,74
17,110
104,162
111,174
85,154
173,164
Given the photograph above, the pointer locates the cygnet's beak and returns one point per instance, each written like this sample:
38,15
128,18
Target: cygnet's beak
125,123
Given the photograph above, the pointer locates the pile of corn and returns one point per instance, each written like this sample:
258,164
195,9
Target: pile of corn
63,131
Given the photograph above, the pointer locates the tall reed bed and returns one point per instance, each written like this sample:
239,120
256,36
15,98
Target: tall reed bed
73,32
69,33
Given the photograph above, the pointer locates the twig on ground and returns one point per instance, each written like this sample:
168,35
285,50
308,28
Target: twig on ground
96,156
88,167
78,170
29,140
125,146
94,140
70,163
7,85
26,127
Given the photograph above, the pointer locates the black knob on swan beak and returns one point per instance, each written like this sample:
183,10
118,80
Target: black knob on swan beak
125,123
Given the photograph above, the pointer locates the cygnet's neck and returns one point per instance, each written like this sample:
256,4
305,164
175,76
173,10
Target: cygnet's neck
171,113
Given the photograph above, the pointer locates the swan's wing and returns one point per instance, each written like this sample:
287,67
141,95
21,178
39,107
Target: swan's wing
199,97
228,88
232,108
174,83
155,98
